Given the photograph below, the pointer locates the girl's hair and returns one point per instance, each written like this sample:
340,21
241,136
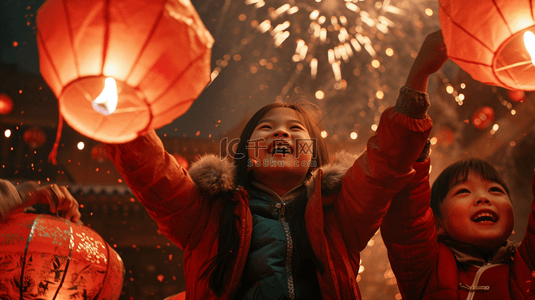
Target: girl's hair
228,233
457,173
310,117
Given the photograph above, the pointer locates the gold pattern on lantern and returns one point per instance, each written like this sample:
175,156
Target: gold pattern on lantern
95,250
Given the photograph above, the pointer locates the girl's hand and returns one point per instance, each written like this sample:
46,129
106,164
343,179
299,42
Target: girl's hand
431,58
60,200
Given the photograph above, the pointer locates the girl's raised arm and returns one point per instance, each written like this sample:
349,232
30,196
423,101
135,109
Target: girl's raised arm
387,164
162,186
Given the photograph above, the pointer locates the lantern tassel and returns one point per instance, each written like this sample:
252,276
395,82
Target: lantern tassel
54,153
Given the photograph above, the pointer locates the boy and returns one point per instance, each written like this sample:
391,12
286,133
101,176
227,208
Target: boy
450,242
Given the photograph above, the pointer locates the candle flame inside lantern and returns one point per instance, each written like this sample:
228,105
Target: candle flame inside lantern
529,42
106,102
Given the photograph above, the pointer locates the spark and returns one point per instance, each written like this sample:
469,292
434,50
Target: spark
332,31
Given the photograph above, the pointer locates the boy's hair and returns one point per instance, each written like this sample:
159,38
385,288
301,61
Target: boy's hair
458,172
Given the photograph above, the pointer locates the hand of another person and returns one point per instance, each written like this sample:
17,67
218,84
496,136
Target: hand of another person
60,200
431,58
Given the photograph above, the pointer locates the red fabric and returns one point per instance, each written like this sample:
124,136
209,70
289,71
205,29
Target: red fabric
427,269
338,226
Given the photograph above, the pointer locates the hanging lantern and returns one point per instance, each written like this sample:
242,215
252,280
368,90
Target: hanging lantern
492,40
516,95
181,160
34,137
48,257
121,68
483,117
98,153
445,137
6,104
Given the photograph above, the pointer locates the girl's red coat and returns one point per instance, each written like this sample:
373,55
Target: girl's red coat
339,224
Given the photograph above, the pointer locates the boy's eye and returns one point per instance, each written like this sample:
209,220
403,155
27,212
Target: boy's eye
462,191
264,126
296,127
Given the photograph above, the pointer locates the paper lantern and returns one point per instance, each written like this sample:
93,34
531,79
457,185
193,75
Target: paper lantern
98,153
486,39
516,95
181,160
483,117
48,257
150,57
6,104
34,137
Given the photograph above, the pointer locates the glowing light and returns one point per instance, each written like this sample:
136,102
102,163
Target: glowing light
7,133
336,70
529,42
434,140
495,127
106,102
461,97
320,95
313,68
374,127
449,89
324,134
375,63
428,12
353,135
80,145
389,51
379,95
463,86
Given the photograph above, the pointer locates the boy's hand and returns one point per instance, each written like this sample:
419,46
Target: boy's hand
431,58
61,201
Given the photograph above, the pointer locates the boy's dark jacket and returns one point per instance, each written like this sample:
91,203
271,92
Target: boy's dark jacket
344,209
429,269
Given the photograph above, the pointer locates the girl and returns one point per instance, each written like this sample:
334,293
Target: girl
450,241
280,221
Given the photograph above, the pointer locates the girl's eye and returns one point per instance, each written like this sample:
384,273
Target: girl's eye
264,126
296,127
462,191
497,190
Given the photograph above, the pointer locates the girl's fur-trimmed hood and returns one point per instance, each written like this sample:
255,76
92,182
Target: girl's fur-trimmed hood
215,176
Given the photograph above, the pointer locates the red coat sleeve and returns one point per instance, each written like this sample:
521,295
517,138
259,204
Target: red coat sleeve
378,174
163,187
527,247
409,233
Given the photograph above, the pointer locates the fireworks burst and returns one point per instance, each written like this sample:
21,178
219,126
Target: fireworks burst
328,30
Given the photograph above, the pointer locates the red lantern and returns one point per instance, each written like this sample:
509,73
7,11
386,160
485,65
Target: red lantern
516,95
445,137
48,257
181,160
98,153
483,117
6,104
34,137
486,39
150,57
